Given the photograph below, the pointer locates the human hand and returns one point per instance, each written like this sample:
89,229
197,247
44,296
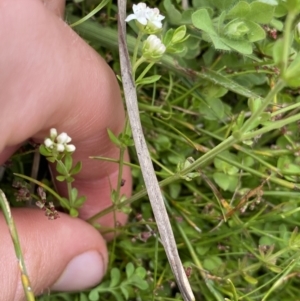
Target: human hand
50,78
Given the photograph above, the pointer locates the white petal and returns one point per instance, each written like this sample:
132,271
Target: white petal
62,138
53,133
142,20
139,7
48,142
70,148
157,24
60,147
69,139
130,17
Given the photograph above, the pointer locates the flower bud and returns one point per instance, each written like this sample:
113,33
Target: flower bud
48,143
153,48
53,133
62,138
70,148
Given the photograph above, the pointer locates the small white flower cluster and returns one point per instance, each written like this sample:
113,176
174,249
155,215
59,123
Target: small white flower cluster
149,21
146,16
59,142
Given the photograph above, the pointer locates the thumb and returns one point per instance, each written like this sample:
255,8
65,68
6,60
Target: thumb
63,255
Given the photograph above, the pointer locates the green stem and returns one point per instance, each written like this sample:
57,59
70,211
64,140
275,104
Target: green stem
15,239
269,98
273,126
135,66
287,40
69,185
145,71
197,164
136,47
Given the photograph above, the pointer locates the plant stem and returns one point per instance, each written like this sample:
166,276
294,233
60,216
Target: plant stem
145,71
254,117
121,162
135,66
287,40
15,239
136,47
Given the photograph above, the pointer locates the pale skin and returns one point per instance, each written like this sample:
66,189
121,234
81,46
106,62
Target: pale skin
50,78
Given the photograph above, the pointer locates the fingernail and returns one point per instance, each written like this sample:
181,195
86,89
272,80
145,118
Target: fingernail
83,271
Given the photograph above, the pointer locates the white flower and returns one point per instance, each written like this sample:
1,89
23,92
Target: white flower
139,13
153,48
48,143
53,133
70,148
148,18
59,143
63,138
153,17
60,147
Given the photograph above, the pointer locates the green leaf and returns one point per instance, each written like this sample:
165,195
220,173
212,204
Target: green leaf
167,38
225,181
148,80
114,139
212,263
278,52
286,165
76,169
224,166
141,272
68,161
214,110
115,276
292,74
60,178
250,279
65,203
261,12
236,29
74,193
174,16
44,151
254,104
241,46
51,159
240,10
94,295
179,34
256,32
129,269
79,202
74,212
138,282
60,168
69,179
125,292
201,20
293,5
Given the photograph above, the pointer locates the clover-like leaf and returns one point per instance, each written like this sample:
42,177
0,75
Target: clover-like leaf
115,277
68,162
147,80
202,20
240,10
129,269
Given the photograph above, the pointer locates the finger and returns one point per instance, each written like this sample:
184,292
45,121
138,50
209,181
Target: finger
65,255
66,85
56,6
